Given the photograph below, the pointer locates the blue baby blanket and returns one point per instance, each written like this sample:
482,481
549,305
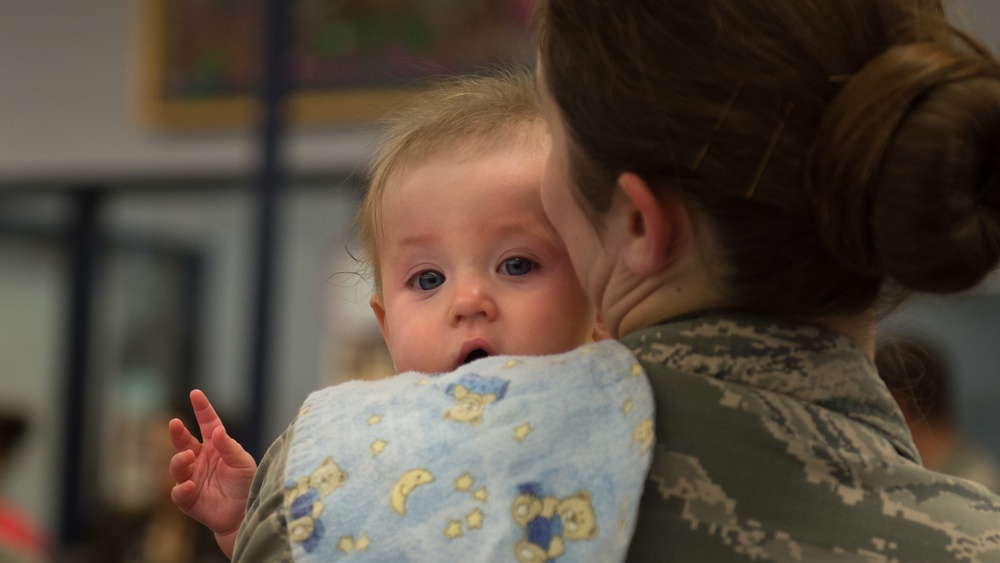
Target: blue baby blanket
505,459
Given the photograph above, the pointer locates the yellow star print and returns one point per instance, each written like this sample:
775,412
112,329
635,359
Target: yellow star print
464,483
481,495
474,519
643,434
522,431
636,370
628,407
362,543
374,419
423,382
346,544
511,363
378,446
454,529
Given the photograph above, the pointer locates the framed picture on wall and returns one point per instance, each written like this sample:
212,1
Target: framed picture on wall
201,61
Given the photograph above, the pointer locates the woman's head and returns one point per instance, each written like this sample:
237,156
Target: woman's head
829,145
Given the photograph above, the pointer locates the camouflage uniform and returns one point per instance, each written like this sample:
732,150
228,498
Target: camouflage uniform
778,442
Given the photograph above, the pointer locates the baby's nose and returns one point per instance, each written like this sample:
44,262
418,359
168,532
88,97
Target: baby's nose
472,300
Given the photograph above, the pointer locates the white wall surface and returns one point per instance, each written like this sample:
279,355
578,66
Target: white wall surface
68,70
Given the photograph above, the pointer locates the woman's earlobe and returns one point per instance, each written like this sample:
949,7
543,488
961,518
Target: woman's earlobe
649,231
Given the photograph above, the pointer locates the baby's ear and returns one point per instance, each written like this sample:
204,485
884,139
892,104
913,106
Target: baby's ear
378,308
459,392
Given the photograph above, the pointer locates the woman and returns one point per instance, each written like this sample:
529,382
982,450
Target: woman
738,183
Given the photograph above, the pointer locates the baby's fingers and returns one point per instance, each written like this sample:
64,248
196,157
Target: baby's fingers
184,495
208,420
232,452
181,437
182,466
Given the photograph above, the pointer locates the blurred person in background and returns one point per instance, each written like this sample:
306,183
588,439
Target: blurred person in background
920,379
22,540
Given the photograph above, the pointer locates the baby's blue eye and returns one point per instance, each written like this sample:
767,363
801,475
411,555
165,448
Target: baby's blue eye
517,266
429,279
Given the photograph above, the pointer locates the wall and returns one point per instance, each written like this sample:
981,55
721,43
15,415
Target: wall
66,104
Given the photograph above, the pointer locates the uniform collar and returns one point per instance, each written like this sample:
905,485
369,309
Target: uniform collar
806,362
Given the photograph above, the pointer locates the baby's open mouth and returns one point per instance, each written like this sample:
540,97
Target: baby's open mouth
474,355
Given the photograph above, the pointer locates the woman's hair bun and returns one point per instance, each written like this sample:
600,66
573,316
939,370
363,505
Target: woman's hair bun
905,173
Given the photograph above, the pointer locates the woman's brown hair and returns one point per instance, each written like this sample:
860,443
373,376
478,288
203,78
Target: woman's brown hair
918,374
832,145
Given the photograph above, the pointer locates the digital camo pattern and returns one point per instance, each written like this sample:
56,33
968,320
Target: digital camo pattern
778,442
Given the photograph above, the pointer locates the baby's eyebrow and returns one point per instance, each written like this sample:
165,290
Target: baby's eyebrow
531,229
417,240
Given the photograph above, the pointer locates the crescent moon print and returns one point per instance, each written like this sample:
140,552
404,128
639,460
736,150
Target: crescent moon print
405,485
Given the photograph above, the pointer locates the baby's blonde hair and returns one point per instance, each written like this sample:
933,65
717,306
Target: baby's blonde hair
484,112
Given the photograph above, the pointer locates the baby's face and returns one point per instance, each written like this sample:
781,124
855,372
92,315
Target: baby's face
470,264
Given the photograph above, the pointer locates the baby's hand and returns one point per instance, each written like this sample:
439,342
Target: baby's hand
213,478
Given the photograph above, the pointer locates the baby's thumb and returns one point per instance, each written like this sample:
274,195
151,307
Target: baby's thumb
182,495
231,450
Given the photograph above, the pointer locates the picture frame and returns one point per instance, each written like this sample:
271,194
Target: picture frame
200,62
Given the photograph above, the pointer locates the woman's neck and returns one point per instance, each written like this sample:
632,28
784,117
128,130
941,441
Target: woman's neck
633,303
858,328
651,301
687,281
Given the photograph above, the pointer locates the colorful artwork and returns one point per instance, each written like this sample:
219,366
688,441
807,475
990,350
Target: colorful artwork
341,52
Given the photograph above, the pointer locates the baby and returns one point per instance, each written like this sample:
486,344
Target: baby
465,266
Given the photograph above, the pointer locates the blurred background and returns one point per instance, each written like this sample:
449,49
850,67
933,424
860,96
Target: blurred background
177,183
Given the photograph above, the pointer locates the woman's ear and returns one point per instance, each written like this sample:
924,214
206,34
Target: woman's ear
378,308
652,225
